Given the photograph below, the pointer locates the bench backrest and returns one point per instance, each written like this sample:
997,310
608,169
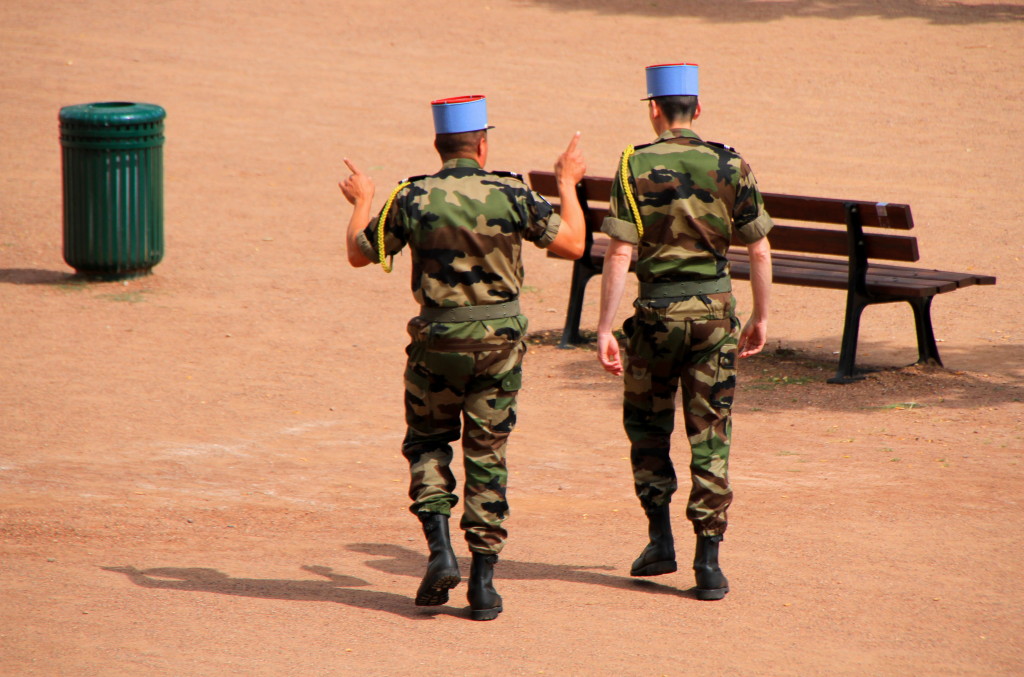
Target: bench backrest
594,192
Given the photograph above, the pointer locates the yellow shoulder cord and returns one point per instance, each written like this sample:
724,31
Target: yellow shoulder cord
380,227
624,179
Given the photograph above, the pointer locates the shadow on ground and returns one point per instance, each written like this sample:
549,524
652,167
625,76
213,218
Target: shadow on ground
405,562
37,276
788,379
940,12
353,591
337,588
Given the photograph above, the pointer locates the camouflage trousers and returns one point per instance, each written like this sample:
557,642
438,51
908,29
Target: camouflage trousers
663,353
471,395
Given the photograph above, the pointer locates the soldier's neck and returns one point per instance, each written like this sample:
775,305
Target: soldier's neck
476,157
661,126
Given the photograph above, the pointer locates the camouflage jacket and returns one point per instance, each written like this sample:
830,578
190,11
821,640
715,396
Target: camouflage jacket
692,197
465,229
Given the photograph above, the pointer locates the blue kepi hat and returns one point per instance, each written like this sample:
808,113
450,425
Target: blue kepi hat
672,79
460,114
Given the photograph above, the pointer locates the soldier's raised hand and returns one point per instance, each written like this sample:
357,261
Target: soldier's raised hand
570,165
358,187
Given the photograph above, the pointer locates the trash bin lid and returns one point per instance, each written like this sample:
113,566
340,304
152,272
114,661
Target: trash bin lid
112,113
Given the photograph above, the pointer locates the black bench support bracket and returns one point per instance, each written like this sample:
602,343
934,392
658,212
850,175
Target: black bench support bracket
858,298
583,269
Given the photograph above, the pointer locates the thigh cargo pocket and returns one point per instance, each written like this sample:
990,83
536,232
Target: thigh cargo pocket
513,381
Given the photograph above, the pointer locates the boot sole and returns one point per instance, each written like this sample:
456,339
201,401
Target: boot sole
655,569
485,614
436,593
707,595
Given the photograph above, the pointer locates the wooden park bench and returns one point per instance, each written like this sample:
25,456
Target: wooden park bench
826,257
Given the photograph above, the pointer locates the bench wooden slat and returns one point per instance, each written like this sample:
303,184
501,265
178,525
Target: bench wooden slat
816,240
829,210
779,205
946,280
834,273
882,283
961,279
837,243
598,188
544,183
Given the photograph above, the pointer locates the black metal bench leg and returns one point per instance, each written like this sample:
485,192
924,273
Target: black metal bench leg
846,372
927,351
571,332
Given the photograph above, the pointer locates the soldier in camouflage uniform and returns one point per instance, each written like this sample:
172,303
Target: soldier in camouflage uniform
465,228
680,201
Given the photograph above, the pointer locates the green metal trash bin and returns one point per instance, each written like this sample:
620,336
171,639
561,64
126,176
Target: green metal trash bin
112,157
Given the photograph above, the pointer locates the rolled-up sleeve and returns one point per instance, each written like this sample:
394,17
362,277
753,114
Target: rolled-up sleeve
542,222
750,219
366,244
619,222
756,229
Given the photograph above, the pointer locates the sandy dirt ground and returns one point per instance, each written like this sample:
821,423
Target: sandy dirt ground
199,469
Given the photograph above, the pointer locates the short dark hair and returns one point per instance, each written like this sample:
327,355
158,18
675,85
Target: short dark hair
449,145
677,108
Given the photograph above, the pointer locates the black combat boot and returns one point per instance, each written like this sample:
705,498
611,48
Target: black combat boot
442,567
659,557
484,600
711,582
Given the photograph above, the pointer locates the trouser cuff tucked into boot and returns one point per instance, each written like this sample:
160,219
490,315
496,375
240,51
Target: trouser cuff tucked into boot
442,567
711,582
484,601
659,557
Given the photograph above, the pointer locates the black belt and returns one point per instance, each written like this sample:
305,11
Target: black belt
491,311
667,290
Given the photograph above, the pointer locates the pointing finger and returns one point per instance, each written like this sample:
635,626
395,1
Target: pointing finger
351,166
573,143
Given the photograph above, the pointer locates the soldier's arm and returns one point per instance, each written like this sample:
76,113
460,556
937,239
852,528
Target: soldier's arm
755,332
358,189
569,169
613,281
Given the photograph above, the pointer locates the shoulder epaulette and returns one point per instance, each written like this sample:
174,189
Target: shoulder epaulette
510,175
721,145
414,178
644,145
